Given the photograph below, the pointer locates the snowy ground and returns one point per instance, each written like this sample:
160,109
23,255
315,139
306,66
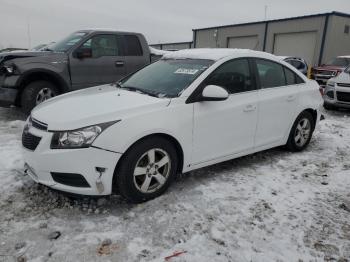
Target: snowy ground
271,206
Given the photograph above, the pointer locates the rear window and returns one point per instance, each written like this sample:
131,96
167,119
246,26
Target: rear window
291,77
339,61
132,46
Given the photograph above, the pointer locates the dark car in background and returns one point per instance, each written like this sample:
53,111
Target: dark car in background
297,62
83,59
330,69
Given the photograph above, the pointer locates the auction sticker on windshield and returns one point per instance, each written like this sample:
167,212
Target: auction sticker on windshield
186,71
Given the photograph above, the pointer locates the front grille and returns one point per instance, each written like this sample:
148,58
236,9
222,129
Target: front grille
326,73
343,84
29,140
37,124
70,179
343,96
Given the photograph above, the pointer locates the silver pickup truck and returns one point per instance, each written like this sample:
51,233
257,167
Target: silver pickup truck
83,59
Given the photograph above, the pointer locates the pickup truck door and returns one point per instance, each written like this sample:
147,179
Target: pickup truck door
137,56
101,63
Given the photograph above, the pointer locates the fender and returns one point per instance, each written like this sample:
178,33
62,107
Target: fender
57,77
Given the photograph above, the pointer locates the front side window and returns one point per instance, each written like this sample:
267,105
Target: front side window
166,77
234,76
67,43
271,74
102,45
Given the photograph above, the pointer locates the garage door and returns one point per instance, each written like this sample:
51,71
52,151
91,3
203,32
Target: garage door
296,44
248,42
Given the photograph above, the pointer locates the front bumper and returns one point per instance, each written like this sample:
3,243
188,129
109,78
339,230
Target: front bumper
7,96
341,96
42,163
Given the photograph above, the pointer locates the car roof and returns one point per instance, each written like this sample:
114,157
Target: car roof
344,56
216,54
105,30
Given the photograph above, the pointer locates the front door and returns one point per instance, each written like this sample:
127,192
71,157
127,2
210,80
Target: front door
223,128
106,64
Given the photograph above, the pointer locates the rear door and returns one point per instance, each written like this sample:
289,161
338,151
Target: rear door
223,128
278,102
136,57
106,64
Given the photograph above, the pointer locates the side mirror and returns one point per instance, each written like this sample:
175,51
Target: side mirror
214,93
83,53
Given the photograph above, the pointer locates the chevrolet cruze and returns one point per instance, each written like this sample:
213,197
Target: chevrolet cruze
191,109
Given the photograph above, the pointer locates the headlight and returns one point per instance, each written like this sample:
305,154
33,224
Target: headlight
331,83
79,138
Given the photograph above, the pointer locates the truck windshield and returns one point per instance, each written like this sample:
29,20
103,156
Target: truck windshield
166,78
66,43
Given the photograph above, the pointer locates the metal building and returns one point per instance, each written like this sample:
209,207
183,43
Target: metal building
173,46
316,38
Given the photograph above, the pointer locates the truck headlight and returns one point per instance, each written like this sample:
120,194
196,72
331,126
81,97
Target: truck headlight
79,138
9,69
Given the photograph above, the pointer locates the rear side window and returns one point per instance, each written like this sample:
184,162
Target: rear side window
271,74
234,76
292,78
132,46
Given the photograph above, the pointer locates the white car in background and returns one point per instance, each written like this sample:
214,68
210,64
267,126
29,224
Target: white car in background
337,91
191,109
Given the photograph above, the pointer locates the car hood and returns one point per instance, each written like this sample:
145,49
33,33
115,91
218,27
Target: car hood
40,55
94,105
343,78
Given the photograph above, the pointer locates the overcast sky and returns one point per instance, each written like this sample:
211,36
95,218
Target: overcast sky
158,20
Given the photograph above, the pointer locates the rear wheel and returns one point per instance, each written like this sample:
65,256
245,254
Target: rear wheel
35,93
147,169
301,132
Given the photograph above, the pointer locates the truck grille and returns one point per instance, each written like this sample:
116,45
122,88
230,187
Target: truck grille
29,140
343,97
326,72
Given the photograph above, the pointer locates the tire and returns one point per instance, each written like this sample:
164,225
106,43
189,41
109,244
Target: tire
303,126
34,91
132,183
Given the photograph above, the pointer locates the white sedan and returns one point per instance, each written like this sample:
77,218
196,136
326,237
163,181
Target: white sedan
191,109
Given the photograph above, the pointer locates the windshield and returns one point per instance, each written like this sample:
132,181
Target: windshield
66,43
339,61
166,78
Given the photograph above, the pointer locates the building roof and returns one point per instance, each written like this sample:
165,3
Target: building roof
216,54
278,20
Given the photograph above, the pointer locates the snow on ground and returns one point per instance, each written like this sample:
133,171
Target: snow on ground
270,206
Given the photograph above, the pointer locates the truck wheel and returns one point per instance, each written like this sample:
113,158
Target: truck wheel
147,169
35,93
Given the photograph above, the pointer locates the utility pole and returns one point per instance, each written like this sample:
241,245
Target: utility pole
28,32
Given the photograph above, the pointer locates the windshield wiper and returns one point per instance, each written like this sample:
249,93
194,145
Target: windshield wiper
139,90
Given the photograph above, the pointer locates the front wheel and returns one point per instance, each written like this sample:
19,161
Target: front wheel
301,132
147,169
35,93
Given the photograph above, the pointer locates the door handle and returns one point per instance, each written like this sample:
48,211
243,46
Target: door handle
119,63
249,108
291,98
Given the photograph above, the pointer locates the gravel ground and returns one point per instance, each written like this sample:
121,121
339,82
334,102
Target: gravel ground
270,206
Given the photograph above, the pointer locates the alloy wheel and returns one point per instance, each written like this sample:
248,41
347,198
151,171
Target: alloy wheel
152,170
43,95
302,132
